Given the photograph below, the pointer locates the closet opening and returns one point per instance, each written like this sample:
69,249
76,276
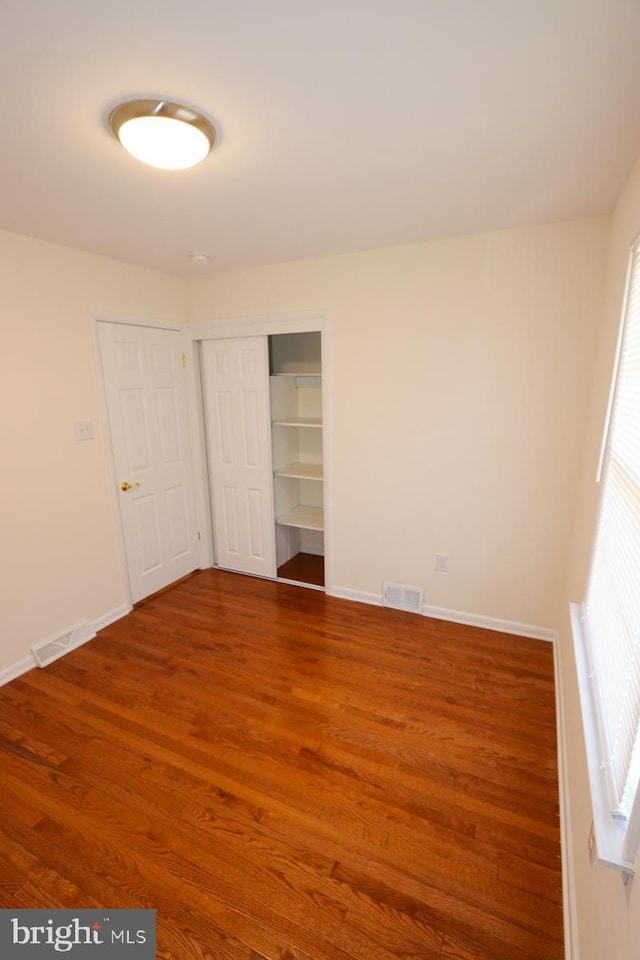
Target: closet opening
295,377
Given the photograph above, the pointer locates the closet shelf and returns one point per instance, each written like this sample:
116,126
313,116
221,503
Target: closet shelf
305,518
299,422
301,471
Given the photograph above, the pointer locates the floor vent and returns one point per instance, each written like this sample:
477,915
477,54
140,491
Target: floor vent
55,647
401,597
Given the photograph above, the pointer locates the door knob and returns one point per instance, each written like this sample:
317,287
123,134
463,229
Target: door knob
125,485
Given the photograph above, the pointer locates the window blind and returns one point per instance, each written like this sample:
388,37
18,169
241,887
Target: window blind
612,605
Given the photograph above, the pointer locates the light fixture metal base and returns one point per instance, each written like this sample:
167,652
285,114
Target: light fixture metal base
165,110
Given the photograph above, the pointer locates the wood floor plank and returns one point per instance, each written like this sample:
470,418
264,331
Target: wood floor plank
287,776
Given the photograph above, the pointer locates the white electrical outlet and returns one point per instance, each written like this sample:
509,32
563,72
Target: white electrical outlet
442,562
83,430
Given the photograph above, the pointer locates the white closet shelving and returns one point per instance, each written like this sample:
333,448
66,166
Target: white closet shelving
296,413
301,471
305,518
294,421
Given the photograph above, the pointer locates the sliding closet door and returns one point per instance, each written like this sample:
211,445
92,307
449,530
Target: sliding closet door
235,379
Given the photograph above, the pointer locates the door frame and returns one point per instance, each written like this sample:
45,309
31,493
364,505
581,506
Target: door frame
202,509
261,325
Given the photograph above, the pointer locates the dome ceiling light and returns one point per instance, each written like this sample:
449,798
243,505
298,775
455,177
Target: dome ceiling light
163,134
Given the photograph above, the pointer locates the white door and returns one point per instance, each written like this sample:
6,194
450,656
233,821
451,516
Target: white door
145,391
235,381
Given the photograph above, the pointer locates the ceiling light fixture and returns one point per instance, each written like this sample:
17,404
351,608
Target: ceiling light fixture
163,134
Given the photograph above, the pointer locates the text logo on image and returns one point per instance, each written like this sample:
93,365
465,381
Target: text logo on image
100,934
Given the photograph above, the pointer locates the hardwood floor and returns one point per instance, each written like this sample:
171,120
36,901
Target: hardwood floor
289,776
305,568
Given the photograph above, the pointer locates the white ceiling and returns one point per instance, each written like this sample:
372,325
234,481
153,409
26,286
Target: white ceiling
342,124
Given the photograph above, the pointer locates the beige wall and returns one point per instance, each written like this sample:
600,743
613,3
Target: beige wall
608,914
59,560
459,381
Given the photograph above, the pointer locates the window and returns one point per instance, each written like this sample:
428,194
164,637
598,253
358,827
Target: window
608,623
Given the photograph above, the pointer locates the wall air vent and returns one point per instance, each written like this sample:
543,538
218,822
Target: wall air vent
55,647
401,597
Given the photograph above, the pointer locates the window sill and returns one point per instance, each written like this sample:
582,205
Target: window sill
616,843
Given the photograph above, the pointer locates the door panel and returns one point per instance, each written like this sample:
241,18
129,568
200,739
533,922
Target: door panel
148,533
230,543
235,377
256,523
224,426
145,392
135,426
168,420
178,526
251,430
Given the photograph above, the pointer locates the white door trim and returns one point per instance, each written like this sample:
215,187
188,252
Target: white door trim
197,435
192,413
136,322
309,321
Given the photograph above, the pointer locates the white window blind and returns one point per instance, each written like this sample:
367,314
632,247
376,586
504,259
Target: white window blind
611,612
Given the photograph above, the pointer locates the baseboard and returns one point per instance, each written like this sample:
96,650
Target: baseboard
569,904
111,617
28,663
358,596
491,623
16,670
315,549
454,616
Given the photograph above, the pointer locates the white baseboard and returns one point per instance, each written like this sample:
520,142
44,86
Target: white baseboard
491,623
454,616
16,670
569,901
358,596
315,549
28,663
112,616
